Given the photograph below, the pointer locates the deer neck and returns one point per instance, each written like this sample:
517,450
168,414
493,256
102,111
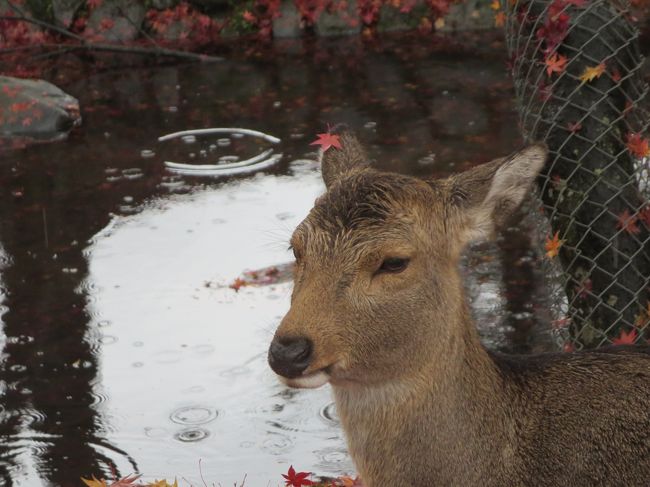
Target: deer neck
457,397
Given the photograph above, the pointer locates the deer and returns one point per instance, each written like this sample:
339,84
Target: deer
378,311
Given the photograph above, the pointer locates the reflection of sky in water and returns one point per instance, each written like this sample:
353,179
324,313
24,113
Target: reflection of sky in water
183,362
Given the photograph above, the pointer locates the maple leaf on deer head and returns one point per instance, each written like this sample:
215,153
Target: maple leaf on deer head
327,140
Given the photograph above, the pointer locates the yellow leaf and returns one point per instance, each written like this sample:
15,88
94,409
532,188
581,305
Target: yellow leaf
93,482
495,5
592,72
163,483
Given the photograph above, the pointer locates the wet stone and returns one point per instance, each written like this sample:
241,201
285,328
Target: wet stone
38,110
341,22
125,16
287,24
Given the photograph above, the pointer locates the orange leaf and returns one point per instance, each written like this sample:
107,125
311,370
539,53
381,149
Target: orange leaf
495,5
592,72
637,145
553,245
628,223
237,284
93,482
500,19
555,64
626,338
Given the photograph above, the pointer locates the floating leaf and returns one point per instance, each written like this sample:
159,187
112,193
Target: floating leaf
297,479
93,482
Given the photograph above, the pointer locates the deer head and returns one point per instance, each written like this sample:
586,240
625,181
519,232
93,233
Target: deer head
377,294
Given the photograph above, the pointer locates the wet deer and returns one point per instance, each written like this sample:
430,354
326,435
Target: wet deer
378,310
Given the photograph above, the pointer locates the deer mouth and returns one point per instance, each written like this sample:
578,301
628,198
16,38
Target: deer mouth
311,380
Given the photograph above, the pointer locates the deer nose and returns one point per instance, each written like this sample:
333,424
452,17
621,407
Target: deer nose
290,356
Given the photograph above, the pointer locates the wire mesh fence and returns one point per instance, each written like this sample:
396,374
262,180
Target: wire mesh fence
576,66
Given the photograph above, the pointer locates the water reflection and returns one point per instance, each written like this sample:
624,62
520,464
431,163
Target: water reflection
190,362
51,427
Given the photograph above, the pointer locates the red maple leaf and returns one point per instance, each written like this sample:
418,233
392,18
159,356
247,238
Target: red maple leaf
626,338
574,127
628,223
616,75
644,215
297,479
556,63
237,284
106,24
638,145
327,140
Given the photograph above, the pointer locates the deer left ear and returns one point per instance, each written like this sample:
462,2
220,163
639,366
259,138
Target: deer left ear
490,193
337,162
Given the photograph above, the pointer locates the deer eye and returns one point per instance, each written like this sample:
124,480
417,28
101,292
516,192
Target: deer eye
393,265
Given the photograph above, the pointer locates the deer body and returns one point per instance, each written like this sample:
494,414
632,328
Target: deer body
378,310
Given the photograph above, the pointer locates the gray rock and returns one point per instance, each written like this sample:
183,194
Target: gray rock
288,23
35,110
163,4
117,20
469,15
64,11
339,23
393,19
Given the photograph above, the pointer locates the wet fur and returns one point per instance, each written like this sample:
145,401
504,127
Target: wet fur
421,401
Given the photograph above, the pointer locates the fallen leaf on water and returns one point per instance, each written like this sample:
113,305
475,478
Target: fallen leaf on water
553,245
162,483
626,338
93,482
237,284
296,479
555,64
327,140
592,72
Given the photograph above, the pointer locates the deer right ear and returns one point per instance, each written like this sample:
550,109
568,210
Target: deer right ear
489,193
337,162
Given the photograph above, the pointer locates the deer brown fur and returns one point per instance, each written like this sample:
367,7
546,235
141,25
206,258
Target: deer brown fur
378,310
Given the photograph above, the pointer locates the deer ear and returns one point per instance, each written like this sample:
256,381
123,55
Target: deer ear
490,193
337,162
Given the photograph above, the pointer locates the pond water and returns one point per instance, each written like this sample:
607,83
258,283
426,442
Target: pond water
124,348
